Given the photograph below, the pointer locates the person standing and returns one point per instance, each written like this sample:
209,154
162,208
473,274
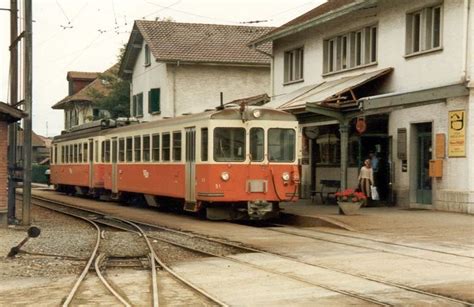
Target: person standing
366,178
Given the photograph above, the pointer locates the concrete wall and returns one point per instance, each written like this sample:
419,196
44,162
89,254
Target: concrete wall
194,88
3,173
411,73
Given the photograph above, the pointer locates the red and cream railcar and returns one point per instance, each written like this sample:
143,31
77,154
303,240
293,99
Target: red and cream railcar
233,163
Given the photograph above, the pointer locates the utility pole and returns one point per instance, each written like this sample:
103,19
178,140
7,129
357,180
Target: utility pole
27,121
12,128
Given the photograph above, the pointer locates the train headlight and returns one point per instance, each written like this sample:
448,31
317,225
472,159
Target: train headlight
225,176
285,176
256,113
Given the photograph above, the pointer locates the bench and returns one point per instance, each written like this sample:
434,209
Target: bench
335,185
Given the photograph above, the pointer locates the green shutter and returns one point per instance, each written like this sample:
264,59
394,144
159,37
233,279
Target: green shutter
154,100
134,105
140,105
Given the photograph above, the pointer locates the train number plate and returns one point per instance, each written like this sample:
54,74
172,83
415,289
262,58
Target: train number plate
257,186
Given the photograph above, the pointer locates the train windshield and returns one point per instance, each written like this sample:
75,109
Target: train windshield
281,145
229,144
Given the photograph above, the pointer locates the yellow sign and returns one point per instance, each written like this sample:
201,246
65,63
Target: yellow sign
457,134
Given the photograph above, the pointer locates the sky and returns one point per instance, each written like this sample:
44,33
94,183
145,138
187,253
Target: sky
81,35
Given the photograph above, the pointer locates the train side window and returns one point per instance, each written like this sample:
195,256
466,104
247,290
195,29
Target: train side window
165,154
102,151
121,156
84,145
55,154
114,150
204,144
62,154
137,146
75,153
79,153
86,151
129,149
177,146
66,154
156,147
96,151
257,139
71,153
107,151
146,148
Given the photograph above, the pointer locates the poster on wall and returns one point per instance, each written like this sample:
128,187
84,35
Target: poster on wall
457,134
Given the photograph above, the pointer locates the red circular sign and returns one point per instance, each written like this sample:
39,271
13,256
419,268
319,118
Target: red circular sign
361,126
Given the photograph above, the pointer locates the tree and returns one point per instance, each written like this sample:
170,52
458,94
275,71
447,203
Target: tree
113,93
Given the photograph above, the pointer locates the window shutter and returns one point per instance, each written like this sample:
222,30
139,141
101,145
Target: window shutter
134,106
154,100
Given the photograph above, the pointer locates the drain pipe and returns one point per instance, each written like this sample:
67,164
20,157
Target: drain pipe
465,73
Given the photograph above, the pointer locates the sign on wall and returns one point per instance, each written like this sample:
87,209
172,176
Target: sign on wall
457,133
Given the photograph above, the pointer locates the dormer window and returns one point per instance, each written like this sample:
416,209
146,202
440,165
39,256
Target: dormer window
147,55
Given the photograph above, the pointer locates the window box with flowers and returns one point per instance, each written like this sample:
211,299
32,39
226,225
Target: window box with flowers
350,201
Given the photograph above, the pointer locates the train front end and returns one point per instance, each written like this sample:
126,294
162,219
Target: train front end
250,164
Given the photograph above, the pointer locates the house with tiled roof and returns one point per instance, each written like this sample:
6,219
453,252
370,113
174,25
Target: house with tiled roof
178,68
389,80
78,105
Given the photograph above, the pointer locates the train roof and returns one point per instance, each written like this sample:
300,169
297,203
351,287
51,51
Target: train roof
225,114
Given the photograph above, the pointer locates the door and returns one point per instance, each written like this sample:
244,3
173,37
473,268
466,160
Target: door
114,166
91,163
190,164
423,180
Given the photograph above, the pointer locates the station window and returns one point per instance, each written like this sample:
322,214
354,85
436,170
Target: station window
156,147
85,152
204,144
79,153
129,149
146,148
281,145
166,147
121,152
177,146
229,144
137,146
257,138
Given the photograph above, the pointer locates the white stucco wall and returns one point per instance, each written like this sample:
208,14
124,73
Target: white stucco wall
147,77
187,88
422,71
198,87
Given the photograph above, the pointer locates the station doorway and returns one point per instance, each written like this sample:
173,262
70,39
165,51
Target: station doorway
423,156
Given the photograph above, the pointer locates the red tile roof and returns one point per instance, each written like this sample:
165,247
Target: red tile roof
85,94
194,42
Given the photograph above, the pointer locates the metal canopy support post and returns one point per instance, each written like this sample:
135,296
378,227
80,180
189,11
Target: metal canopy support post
12,128
344,130
27,122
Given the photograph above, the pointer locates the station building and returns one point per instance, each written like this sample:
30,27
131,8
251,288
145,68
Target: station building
8,115
392,78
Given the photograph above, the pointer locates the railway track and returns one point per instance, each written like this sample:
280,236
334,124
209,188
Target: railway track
98,261
363,297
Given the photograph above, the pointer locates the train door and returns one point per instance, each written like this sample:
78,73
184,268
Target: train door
114,166
91,163
190,164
